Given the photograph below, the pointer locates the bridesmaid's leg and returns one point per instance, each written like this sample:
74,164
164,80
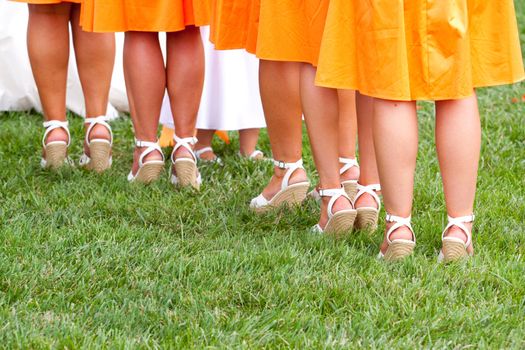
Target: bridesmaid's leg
280,94
458,141
185,78
396,140
321,113
347,131
145,87
95,56
48,48
248,139
367,156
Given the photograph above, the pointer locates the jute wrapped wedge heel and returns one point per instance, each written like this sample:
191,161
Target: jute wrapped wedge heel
184,170
99,158
398,249
454,249
150,170
341,222
367,217
55,152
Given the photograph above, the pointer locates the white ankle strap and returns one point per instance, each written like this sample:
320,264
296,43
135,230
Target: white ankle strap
371,190
459,222
335,194
51,125
186,142
291,168
399,222
348,163
150,147
199,152
102,120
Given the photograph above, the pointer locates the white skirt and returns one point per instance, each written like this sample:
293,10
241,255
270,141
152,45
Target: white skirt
230,99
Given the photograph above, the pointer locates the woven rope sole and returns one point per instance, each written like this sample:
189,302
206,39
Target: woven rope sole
399,250
453,251
341,224
55,155
292,195
100,153
186,171
367,219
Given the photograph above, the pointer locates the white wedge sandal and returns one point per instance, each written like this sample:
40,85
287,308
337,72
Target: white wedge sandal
288,194
349,185
367,217
55,151
149,170
341,222
255,155
99,158
398,249
184,171
454,249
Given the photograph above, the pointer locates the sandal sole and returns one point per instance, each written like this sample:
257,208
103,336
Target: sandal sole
56,155
341,224
453,251
186,171
149,173
100,153
367,219
398,251
293,195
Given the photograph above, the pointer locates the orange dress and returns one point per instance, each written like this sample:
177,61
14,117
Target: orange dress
277,30
420,49
47,2
144,15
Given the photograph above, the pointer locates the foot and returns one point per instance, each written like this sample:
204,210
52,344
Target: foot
99,132
274,186
352,174
251,154
207,155
58,134
456,232
401,233
341,203
155,155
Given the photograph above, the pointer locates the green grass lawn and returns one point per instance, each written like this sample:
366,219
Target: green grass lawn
92,261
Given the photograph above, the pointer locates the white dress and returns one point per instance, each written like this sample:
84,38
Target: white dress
17,86
230,99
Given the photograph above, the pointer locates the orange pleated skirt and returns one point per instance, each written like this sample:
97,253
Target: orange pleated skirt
47,2
420,49
144,15
277,30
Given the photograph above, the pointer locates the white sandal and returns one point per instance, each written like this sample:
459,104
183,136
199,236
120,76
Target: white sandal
200,152
55,151
150,170
340,222
453,248
398,248
254,155
349,185
186,172
100,158
367,217
288,195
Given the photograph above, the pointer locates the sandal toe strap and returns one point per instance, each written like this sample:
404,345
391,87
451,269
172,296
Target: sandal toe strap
186,142
460,223
51,125
398,223
348,163
334,194
371,190
100,120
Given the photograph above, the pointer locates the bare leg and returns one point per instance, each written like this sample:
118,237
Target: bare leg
458,141
205,137
95,55
48,48
367,156
185,77
280,94
396,140
145,86
347,131
248,139
321,113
